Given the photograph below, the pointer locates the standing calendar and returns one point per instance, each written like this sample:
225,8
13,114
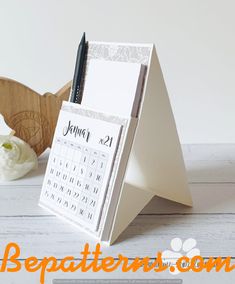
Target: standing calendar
118,149
79,168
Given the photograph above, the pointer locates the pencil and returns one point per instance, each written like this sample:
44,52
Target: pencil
75,95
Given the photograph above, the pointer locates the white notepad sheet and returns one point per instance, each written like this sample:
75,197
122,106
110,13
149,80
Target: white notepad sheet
79,168
113,87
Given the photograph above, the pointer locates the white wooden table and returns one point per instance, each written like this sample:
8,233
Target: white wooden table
211,174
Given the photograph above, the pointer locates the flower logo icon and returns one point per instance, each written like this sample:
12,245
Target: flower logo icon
179,249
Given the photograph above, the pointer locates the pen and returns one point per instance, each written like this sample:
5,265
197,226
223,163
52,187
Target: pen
75,95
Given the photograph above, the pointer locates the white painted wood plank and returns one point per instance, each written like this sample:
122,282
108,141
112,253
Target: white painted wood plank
210,171
208,152
204,163
207,198
210,162
24,277
42,236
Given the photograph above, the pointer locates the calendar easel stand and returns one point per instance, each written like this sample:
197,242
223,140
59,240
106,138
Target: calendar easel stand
156,165
148,159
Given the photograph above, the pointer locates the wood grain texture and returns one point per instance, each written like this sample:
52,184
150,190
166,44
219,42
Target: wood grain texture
48,235
211,221
31,115
208,199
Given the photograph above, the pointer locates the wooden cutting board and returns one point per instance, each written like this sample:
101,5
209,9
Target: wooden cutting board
31,115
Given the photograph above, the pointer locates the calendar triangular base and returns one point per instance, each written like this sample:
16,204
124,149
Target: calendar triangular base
156,165
129,208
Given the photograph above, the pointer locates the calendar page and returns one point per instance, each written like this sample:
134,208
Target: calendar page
79,167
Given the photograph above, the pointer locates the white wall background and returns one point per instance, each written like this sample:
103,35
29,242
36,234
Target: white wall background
195,40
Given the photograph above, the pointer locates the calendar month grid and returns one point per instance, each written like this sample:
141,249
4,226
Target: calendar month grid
77,174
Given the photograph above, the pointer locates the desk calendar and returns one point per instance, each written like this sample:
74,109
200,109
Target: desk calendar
79,167
111,156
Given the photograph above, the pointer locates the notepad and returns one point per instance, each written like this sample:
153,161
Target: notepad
114,87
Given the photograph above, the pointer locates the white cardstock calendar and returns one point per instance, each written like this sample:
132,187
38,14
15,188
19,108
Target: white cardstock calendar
108,158
79,167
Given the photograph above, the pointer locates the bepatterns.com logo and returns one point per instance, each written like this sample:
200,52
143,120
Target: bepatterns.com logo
95,261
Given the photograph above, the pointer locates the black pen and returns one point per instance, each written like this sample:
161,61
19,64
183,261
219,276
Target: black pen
75,95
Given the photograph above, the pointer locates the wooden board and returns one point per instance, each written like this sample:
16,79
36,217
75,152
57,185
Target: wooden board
211,222
31,115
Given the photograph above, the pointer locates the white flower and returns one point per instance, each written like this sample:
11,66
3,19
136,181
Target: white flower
17,158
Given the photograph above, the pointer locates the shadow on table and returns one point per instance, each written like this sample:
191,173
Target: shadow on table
208,199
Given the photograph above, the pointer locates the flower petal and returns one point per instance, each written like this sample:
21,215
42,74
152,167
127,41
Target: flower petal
17,159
